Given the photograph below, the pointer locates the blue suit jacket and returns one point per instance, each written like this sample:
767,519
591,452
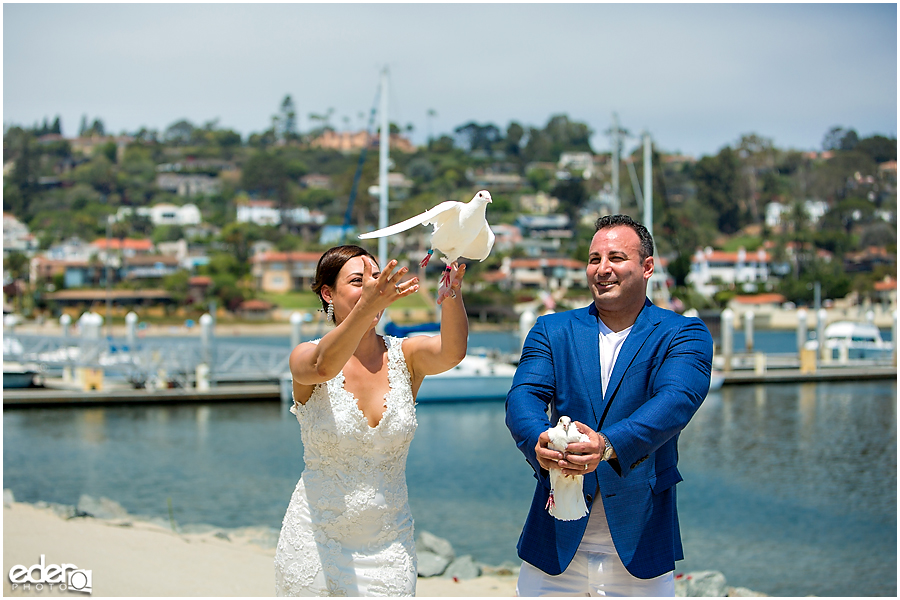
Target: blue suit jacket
659,380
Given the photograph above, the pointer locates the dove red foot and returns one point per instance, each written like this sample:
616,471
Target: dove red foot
460,230
426,259
445,282
566,501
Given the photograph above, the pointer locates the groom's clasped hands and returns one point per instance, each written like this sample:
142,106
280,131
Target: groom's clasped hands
579,458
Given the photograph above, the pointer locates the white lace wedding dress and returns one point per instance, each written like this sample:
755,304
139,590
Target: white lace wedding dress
348,530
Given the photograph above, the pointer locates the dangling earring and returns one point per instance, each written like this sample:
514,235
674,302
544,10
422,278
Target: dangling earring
329,314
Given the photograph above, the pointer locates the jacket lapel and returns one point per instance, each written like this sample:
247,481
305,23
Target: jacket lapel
644,325
585,332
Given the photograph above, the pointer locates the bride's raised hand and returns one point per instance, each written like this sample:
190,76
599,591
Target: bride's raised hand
382,291
450,291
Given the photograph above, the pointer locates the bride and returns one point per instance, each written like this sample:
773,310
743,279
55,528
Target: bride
348,530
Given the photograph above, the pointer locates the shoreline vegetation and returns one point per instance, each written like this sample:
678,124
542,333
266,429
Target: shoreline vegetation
129,555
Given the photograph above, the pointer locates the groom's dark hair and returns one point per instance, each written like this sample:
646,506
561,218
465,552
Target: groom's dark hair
609,221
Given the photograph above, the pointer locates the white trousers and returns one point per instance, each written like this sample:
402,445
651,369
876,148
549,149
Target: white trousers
593,574
596,570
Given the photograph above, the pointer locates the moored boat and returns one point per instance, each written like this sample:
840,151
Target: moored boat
854,341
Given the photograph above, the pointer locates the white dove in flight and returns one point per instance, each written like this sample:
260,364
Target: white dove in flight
460,231
566,501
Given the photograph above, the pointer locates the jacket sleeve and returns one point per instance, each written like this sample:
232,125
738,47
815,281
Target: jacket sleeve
677,388
532,390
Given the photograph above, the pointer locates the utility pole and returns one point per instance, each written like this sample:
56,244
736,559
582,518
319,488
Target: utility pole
616,134
648,184
383,157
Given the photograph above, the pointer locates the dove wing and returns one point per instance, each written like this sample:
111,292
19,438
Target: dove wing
481,246
411,222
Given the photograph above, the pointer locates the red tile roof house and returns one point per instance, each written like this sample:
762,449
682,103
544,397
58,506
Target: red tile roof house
541,273
761,305
711,269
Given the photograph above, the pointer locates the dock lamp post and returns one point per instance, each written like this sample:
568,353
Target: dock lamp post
727,338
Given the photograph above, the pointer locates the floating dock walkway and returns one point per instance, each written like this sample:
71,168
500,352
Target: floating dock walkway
122,395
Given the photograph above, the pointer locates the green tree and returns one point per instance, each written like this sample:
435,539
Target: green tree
267,173
572,196
718,188
879,148
20,187
179,133
287,119
473,136
177,284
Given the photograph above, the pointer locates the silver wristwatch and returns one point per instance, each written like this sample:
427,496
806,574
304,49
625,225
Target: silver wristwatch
607,448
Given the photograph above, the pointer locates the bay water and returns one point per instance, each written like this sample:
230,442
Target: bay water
790,489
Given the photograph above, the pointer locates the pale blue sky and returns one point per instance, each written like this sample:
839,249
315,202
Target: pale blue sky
696,76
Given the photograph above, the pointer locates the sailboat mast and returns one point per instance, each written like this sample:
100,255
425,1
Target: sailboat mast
383,158
615,163
648,184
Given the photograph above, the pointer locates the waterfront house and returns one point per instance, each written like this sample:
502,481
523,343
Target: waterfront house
543,234
866,260
550,273
506,237
86,298
886,293
164,214
255,310
198,287
540,203
17,237
125,247
73,248
149,267
316,181
281,272
711,269
761,305
348,141
266,213
185,184
814,209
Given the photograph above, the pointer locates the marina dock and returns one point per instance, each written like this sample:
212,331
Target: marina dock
50,397
121,395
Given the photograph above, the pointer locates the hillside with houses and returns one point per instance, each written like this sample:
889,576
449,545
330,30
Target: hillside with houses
170,223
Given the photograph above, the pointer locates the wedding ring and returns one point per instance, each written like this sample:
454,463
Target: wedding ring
397,286
452,294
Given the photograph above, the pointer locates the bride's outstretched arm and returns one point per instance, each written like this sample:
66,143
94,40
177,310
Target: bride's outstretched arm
429,355
316,363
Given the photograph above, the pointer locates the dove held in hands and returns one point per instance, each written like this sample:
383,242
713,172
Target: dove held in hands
566,501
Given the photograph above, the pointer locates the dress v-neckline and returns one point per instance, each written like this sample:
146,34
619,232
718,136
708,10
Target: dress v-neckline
387,395
359,411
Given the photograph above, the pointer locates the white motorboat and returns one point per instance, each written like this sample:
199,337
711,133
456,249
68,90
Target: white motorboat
852,340
477,377
716,380
18,376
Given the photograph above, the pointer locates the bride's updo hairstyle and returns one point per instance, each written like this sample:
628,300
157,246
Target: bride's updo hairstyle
331,263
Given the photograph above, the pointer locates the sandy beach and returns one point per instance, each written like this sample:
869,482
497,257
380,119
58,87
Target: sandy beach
128,557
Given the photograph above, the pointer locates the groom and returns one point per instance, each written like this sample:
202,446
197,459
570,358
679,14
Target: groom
632,375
